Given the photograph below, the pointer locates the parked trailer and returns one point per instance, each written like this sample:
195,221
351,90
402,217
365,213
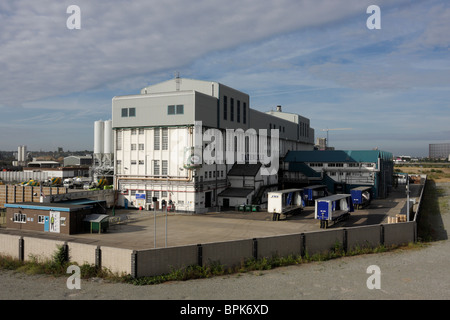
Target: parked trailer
361,196
333,208
311,193
287,201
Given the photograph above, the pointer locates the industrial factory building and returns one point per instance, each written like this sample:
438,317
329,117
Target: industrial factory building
341,171
157,134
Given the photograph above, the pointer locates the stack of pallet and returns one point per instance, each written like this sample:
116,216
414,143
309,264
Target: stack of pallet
397,218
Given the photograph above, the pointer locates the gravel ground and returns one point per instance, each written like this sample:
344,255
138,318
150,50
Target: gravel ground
410,274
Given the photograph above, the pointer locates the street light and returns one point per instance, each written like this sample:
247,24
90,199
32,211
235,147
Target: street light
407,197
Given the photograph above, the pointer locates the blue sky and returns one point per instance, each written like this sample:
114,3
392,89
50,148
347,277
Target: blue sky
314,57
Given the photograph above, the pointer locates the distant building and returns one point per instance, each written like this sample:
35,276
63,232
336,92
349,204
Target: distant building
340,170
72,161
439,151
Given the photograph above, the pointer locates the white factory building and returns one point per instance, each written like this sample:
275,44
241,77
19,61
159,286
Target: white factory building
157,135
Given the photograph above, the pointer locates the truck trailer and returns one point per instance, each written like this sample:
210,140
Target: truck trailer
287,201
333,208
311,193
361,196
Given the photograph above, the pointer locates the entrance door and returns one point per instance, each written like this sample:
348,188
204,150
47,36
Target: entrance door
226,202
207,199
46,223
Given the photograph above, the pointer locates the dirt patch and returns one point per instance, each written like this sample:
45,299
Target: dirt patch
438,173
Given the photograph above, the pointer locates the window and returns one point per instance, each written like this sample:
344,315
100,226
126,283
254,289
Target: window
165,138
156,138
163,194
164,168
156,194
20,217
156,167
244,112
133,132
133,146
238,111
41,219
175,109
133,162
141,130
141,162
133,193
128,112
231,109
141,146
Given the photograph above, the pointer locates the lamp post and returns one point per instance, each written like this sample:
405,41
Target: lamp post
407,197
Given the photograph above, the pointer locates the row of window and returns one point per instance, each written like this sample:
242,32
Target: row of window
212,174
238,110
160,139
158,169
171,110
22,218
339,165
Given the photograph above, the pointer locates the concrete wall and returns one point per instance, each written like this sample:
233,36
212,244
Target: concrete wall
364,237
228,253
284,245
160,261
40,249
81,253
323,241
116,260
9,246
399,233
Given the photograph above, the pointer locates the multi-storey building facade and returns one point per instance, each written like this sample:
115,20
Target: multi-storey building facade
157,131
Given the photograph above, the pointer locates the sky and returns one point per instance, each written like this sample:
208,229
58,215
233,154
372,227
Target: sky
389,87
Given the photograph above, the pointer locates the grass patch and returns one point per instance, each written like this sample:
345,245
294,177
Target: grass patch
56,266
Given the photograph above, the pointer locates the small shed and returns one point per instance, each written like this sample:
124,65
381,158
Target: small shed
96,223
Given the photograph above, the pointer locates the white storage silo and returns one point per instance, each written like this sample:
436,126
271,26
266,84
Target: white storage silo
108,137
99,128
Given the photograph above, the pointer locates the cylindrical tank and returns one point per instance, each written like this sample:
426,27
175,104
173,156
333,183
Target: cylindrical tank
99,136
108,137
